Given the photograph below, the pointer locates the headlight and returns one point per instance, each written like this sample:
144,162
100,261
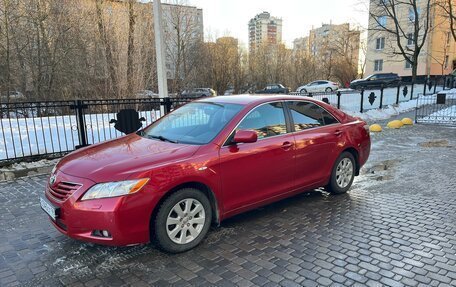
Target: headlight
113,189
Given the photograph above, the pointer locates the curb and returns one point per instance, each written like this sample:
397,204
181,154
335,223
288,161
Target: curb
9,175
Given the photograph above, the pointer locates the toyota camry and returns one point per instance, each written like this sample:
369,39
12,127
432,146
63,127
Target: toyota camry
204,162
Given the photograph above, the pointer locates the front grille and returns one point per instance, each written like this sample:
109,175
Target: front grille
63,190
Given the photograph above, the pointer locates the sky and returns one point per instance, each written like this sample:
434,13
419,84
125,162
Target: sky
230,17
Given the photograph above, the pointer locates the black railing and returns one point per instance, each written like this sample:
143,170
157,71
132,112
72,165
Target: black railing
33,130
381,97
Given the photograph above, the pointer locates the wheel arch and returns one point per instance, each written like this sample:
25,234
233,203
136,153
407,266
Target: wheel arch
355,154
196,185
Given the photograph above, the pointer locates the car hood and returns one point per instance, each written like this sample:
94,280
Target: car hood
356,81
119,159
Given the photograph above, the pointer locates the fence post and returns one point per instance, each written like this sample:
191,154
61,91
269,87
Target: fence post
79,106
167,105
338,99
362,101
398,93
381,97
435,85
425,84
411,91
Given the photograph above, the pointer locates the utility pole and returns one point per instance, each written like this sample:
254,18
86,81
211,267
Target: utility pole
160,50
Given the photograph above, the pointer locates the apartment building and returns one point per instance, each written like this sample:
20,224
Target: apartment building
330,41
264,29
437,56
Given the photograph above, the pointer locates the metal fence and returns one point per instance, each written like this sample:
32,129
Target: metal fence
379,98
437,109
32,130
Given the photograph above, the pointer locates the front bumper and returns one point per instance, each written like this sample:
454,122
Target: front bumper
126,218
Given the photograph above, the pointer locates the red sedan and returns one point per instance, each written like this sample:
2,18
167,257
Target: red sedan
202,163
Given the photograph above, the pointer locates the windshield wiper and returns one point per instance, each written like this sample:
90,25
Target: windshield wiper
163,139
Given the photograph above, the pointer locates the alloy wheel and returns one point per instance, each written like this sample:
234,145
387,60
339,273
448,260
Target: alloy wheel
344,173
185,221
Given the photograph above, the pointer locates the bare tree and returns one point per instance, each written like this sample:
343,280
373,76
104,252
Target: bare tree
107,45
448,10
131,45
408,45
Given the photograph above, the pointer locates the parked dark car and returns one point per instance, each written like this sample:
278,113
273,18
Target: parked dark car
274,89
199,93
376,81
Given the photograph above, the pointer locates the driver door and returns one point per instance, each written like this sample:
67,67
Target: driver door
254,172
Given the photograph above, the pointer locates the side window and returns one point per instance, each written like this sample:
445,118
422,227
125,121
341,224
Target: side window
328,118
267,120
309,115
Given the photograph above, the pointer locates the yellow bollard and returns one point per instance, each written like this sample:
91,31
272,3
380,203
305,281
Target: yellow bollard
407,121
375,128
395,124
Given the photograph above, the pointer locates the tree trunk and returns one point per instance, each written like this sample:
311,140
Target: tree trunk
131,46
107,46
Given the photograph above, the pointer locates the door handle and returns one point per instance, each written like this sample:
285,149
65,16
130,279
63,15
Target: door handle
287,145
338,133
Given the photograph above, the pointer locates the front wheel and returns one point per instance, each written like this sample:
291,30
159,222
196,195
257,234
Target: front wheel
343,174
303,91
328,90
182,221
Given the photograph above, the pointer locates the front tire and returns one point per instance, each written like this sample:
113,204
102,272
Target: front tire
182,221
343,174
328,90
303,91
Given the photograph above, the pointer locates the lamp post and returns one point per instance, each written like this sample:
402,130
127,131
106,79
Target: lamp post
160,50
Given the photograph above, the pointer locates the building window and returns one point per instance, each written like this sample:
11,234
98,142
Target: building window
380,44
381,21
448,38
408,64
410,39
378,65
447,59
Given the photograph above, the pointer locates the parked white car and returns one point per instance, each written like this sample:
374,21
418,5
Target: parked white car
318,87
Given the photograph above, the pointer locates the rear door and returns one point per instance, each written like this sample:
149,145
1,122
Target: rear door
316,134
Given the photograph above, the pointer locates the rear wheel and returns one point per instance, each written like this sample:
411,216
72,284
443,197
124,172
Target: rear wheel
182,221
328,90
343,174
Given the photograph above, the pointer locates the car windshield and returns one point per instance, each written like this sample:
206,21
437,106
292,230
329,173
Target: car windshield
195,123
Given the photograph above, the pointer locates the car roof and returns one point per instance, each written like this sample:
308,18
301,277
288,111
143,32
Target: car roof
254,100
248,99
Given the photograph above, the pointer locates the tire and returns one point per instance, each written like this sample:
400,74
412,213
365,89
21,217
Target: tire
328,90
338,185
164,232
303,91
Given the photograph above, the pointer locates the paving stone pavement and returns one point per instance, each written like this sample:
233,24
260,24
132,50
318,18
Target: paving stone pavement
396,227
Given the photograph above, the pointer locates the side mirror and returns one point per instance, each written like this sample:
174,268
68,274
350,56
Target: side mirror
245,137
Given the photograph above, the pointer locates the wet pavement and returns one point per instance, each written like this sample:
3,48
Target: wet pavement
395,227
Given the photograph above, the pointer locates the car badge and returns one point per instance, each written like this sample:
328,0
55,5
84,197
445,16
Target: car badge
52,179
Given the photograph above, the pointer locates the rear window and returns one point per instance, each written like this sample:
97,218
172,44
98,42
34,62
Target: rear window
308,115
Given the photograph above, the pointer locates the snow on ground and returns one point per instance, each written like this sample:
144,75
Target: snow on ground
21,137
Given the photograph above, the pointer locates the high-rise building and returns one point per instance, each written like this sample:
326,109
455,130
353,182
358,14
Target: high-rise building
331,41
437,55
264,30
